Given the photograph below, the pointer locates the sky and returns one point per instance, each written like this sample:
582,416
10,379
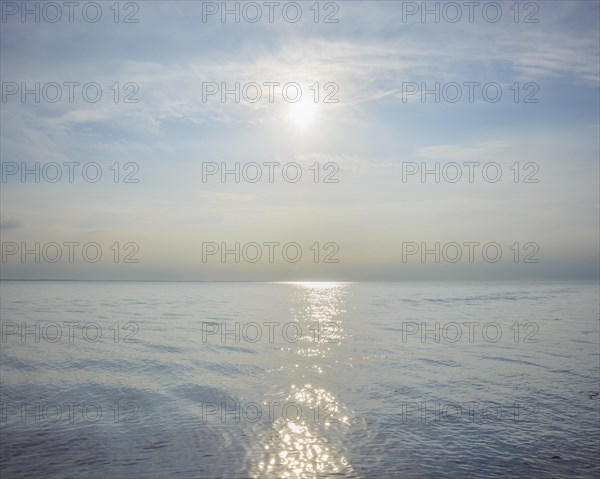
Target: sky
513,130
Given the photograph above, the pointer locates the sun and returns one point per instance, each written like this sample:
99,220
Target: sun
302,113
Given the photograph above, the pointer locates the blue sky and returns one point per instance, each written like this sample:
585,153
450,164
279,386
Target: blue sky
369,134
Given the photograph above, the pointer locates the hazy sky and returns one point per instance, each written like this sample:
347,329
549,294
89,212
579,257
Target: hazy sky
374,61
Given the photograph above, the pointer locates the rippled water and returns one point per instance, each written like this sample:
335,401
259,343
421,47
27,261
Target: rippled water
310,380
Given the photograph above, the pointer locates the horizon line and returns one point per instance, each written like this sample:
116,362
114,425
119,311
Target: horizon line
581,280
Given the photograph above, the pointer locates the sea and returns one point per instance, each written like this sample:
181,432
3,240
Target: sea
299,380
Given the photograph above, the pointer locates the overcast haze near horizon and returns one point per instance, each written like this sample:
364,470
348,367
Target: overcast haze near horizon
375,127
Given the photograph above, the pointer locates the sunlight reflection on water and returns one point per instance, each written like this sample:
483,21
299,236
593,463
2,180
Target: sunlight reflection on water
300,448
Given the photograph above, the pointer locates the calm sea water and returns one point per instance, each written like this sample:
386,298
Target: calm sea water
236,380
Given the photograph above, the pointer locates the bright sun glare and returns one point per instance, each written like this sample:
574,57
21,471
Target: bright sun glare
302,113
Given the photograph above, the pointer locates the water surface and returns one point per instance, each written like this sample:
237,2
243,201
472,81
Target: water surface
307,380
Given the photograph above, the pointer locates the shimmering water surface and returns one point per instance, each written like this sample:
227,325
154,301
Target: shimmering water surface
274,380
